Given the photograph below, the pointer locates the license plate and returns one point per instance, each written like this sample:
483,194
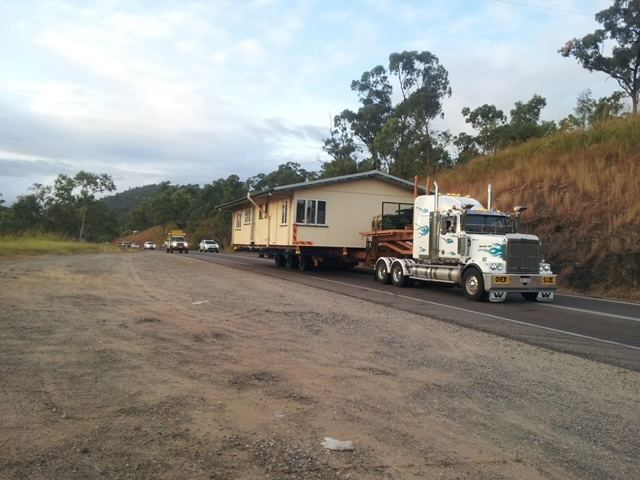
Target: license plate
548,280
501,279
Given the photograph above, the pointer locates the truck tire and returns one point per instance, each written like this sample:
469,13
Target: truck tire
292,261
186,251
473,285
305,263
530,296
381,273
398,277
279,260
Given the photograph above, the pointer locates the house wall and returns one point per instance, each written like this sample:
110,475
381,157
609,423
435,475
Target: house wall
350,208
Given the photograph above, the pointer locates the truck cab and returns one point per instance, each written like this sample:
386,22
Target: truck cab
456,240
176,242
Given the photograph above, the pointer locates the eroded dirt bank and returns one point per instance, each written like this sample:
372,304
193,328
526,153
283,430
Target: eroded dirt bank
156,366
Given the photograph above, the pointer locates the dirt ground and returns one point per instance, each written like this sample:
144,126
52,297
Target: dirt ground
150,366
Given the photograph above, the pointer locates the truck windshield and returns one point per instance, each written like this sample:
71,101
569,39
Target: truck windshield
477,223
177,239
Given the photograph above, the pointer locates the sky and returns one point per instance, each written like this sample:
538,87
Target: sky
192,91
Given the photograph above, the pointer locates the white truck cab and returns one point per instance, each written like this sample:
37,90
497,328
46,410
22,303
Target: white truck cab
456,240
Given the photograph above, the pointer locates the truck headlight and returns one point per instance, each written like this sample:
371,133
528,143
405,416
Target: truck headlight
496,266
545,268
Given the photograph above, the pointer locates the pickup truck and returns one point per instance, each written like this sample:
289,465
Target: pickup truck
176,241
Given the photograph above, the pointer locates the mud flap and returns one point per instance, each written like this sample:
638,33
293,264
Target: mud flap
497,296
545,297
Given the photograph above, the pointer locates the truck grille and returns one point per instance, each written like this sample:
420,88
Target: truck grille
523,256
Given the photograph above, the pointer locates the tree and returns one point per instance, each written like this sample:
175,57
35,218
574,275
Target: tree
621,25
67,202
488,120
406,143
342,147
525,121
285,174
589,111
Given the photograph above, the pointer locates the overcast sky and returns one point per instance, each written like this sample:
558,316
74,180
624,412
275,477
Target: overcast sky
191,91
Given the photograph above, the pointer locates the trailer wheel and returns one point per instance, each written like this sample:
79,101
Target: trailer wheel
473,285
398,277
305,263
530,296
382,273
292,261
279,260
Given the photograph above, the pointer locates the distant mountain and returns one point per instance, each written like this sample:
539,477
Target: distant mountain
122,203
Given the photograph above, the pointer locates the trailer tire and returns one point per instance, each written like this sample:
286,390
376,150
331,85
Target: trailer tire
305,263
473,285
381,273
279,260
292,261
530,296
398,277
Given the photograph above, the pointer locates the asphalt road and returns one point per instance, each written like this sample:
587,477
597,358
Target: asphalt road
602,330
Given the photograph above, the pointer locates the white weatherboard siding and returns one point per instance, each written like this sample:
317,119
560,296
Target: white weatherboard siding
350,208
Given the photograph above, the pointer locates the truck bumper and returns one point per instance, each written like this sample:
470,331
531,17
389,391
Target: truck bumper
499,285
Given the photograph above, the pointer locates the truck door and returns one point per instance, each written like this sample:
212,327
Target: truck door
449,236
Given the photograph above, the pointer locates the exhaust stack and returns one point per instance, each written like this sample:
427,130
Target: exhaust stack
490,197
435,227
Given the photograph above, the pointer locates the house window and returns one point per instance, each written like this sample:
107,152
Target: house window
247,215
284,212
263,212
238,219
311,212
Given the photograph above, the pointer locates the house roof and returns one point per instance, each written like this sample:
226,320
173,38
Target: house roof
322,182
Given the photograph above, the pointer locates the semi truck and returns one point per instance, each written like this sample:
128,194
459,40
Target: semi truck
176,241
455,240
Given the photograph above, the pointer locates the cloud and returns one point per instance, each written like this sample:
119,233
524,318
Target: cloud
190,91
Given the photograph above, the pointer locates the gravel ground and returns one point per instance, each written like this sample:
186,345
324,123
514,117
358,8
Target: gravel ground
152,366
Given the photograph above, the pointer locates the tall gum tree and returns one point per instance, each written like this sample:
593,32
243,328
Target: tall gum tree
621,26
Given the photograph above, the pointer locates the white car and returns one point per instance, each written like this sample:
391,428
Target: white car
209,246
149,246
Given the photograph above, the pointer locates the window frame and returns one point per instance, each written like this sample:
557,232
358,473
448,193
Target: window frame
307,201
238,220
284,213
248,215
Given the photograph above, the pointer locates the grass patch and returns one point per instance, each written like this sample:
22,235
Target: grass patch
12,245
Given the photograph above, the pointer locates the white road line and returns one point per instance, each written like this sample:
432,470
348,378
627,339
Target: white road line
622,302
497,317
592,312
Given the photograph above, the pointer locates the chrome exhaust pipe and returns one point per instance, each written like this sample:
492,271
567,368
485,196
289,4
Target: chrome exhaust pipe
490,197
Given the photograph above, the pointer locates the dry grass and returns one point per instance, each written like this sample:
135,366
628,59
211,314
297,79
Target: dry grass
40,244
583,193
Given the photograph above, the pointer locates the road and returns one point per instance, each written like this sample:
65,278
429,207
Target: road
602,330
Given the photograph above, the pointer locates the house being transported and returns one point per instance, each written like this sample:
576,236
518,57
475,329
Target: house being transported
319,222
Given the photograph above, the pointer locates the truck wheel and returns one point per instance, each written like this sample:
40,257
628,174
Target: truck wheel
305,263
280,260
530,296
382,273
186,251
292,261
398,277
473,284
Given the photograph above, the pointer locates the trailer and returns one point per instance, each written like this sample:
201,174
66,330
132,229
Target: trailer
317,223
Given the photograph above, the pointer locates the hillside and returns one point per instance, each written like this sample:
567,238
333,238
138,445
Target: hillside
122,203
583,194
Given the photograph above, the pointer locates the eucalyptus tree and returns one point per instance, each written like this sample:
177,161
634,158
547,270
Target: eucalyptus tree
619,35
